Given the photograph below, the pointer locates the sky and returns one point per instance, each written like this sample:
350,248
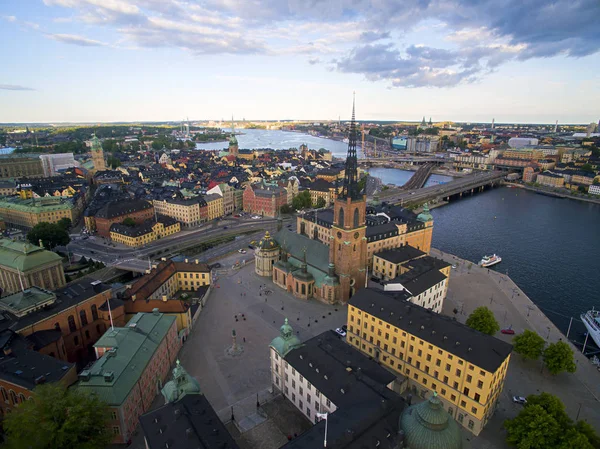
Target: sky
517,61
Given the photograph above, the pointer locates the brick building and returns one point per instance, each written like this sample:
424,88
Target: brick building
65,323
116,212
22,369
133,362
264,200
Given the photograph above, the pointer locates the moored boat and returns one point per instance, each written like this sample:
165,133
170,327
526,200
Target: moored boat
591,320
488,261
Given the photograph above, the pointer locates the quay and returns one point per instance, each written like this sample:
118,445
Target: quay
472,286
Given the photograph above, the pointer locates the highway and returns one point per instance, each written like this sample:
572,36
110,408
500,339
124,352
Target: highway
139,259
440,191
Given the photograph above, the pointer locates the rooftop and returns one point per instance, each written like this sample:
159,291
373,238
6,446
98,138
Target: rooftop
116,209
400,255
27,301
23,256
480,349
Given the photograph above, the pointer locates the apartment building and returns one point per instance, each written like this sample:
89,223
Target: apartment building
26,213
189,212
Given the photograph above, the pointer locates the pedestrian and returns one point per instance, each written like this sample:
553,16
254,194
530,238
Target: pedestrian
244,339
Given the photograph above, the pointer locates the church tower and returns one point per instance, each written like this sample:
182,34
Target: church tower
348,247
97,154
233,143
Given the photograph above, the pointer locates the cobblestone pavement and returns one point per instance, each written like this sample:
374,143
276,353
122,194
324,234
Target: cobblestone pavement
471,286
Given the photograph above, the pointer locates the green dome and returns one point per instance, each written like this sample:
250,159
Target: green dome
267,243
428,426
181,384
286,340
425,216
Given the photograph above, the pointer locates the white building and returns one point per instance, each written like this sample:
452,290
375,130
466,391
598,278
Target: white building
427,290
521,142
53,163
594,189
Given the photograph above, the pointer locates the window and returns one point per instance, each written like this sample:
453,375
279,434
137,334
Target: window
87,334
308,411
471,424
113,415
301,391
76,340
13,397
57,326
453,397
328,403
447,367
293,397
445,379
477,397
463,404
479,384
443,391
94,313
469,378
466,391
71,321
429,357
293,384
419,353
458,372
116,430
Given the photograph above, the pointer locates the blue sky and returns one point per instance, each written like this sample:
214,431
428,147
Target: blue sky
462,60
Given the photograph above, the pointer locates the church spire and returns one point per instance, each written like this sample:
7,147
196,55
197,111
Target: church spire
350,188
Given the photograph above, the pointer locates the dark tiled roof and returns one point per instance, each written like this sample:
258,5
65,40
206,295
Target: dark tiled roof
473,346
190,423
400,255
119,208
379,232
417,283
43,338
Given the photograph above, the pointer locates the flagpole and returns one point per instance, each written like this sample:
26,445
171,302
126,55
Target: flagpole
326,421
112,326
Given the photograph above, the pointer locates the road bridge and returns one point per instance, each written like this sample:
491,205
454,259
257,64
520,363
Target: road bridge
418,180
441,192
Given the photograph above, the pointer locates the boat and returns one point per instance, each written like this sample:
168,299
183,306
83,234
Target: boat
488,261
591,320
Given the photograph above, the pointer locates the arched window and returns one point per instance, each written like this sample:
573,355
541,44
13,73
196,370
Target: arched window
4,395
83,318
98,329
71,321
57,326
13,397
21,398
341,217
94,313
76,341
302,228
87,334
356,217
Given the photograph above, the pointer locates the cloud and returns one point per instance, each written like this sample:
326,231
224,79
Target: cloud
313,61
14,87
75,40
10,18
478,36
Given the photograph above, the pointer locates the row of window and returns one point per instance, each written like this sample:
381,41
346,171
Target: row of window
82,317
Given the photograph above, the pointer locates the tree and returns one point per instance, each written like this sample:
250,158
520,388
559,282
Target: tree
320,202
128,222
51,235
286,209
302,200
113,162
482,319
589,432
362,183
65,223
587,168
529,344
58,418
558,357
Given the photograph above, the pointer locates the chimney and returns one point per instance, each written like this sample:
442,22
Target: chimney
109,376
177,413
85,375
155,311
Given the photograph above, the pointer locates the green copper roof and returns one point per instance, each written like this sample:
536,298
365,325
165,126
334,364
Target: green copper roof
286,340
233,140
425,216
113,376
267,243
428,426
96,144
22,303
181,384
24,257
35,205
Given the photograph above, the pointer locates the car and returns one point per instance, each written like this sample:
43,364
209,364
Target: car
519,400
454,266
224,227
242,251
340,332
215,265
250,246
375,279
345,328
508,331
236,216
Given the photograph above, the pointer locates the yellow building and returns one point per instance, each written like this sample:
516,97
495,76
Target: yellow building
27,213
145,233
187,211
431,353
550,179
522,153
389,264
323,189
215,206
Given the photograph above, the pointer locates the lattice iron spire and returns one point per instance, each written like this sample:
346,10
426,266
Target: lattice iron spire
350,188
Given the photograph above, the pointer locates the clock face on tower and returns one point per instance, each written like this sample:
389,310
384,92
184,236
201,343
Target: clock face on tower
339,234
356,235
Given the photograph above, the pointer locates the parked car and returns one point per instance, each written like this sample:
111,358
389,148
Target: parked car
236,216
453,266
242,251
215,265
375,279
508,331
341,332
224,227
519,400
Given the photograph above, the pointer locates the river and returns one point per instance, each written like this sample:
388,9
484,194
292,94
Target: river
279,140
549,246
400,177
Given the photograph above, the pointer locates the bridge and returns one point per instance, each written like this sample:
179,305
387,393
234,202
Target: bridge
443,192
403,159
419,178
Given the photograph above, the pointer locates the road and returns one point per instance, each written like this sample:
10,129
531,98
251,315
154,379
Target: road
138,259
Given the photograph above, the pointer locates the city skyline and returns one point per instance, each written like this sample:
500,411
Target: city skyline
132,61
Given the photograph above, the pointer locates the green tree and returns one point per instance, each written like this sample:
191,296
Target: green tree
128,222
558,357
482,319
320,202
589,432
533,428
302,200
587,168
529,344
65,223
58,418
286,209
51,235
552,405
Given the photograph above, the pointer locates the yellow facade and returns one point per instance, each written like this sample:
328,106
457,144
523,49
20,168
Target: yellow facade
188,213
28,217
468,392
215,207
158,231
190,280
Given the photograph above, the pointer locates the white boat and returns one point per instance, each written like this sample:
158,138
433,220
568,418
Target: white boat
591,320
488,261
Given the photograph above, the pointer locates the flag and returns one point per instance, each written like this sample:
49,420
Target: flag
322,415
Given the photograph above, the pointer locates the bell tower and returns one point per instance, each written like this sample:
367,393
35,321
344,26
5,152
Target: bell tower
348,246
97,154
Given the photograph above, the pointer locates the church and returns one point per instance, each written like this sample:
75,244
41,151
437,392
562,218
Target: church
330,255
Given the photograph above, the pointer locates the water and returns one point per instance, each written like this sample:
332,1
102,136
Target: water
6,150
549,246
259,138
400,177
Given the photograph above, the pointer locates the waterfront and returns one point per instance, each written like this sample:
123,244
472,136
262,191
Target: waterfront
548,246
400,177
280,140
